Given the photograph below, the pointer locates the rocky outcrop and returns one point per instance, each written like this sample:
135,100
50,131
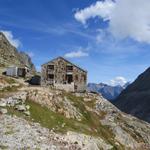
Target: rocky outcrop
127,130
26,60
17,101
9,55
135,99
54,101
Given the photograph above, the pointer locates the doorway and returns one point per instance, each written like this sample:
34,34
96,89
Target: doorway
69,78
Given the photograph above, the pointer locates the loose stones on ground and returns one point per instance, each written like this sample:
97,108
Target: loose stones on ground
3,110
17,101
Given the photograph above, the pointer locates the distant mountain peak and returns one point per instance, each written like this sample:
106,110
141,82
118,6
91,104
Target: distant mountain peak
107,91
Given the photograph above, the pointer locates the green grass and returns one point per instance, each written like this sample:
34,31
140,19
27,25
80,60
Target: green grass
9,132
92,120
91,103
50,119
2,65
3,147
10,89
10,80
5,92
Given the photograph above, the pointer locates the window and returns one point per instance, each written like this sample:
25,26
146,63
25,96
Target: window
84,78
51,79
69,79
50,76
51,67
69,68
75,87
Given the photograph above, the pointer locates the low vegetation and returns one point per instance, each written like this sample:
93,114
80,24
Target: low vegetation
8,86
2,147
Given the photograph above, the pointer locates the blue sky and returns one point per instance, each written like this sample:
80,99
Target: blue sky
101,37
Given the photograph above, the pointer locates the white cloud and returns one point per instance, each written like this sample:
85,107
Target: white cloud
15,42
101,9
127,18
76,54
118,81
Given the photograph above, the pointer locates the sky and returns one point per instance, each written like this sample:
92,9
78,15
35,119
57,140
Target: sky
110,38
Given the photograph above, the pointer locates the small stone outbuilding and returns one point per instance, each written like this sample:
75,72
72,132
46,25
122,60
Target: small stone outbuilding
16,71
62,74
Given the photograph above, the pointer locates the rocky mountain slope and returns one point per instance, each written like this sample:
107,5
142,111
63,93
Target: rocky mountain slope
107,91
135,99
40,118
9,55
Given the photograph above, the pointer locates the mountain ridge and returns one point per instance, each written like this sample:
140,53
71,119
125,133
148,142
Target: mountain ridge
135,98
9,55
107,91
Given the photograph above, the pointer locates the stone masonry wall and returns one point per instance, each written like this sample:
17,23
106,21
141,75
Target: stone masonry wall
79,76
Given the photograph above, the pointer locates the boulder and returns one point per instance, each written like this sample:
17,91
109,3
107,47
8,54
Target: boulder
2,104
27,113
3,111
27,107
11,101
87,99
21,107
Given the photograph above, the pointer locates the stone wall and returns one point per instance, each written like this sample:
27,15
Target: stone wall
66,87
79,76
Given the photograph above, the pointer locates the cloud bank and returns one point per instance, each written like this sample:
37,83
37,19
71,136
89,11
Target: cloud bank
127,18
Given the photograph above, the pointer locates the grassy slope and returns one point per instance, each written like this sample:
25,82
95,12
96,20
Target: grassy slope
90,124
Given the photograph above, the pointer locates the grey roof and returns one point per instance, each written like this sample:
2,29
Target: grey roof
64,60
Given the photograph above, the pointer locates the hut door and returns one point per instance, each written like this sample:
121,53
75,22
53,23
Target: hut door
21,72
69,79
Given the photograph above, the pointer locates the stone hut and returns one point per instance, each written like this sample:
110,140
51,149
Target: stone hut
62,74
16,71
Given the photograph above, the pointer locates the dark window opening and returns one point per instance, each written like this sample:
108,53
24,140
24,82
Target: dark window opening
84,78
69,68
69,79
75,87
51,79
51,67
51,76
21,72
